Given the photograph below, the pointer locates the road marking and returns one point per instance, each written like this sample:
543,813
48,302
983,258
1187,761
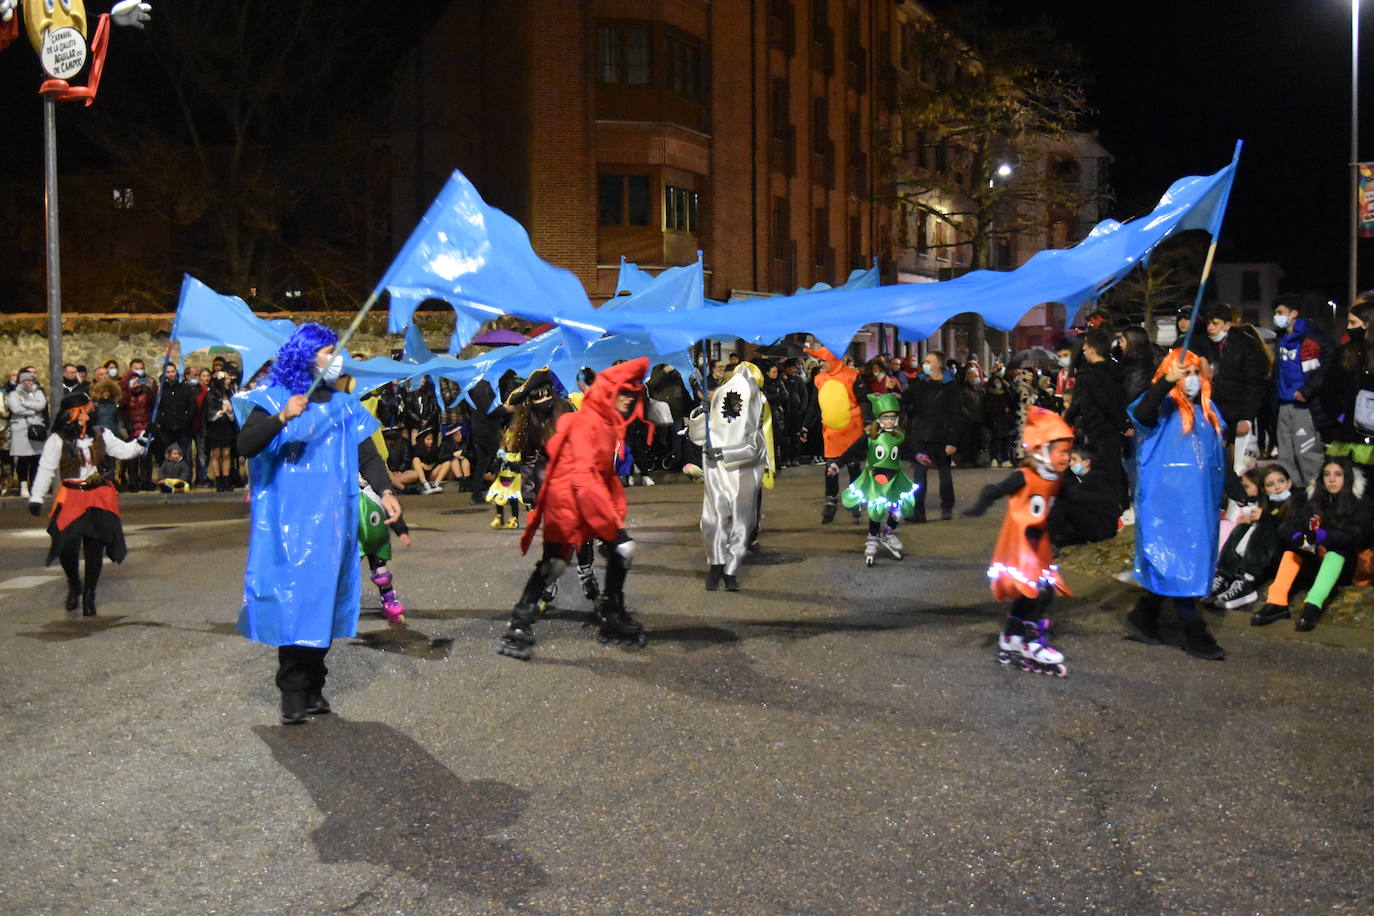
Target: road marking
27,581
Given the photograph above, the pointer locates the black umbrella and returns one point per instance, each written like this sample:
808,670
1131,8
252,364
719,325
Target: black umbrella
1033,355
783,349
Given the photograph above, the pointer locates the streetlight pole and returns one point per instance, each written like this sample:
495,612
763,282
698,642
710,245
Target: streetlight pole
53,244
1354,150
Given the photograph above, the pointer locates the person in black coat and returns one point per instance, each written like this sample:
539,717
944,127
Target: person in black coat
1087,508
487,420
1240,370
934,419
176,414
1098,409
1138,361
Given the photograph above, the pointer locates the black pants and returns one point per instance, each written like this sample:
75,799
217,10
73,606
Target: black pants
480,454
1151,604
1032,609
300,669
941,461
26,466
95,556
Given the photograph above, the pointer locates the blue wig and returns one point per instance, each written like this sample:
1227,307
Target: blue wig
294,368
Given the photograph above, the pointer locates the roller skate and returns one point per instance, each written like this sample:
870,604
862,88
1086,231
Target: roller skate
392,609
871,549
1032,651
616,626
518,639
586,577
547,596
888,538
828,510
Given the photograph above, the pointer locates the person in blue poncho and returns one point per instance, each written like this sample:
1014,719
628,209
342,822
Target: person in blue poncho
1181,454
302,586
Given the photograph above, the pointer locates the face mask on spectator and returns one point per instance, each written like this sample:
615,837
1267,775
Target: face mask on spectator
139,373
1064,361
1280,497
1078,470
1281,322
1217,337
1355,334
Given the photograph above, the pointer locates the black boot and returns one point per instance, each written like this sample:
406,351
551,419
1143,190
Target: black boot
292,707
1311,613
713,576
731,583
1142,623
1268,614
1198,641
88,602
73,593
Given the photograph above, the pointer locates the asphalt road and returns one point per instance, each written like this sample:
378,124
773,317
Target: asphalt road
833,739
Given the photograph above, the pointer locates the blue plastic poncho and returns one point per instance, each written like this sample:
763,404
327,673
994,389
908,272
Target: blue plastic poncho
1177,502
302,585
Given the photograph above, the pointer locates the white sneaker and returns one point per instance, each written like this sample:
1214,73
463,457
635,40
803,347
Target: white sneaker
645,480
1128,517
1126,575
23,491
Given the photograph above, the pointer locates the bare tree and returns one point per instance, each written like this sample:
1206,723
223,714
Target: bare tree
252,131
1167,282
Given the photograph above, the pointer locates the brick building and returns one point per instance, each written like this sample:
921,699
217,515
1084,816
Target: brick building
750,130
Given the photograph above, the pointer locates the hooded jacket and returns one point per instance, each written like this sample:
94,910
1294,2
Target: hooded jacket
1344,516
1303,357
582,497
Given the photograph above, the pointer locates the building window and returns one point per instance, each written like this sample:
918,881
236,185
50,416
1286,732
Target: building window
685,71
622,200
608,54
123,198
623,54
782,229
637,56
822,237
680,209
820,126
1249,286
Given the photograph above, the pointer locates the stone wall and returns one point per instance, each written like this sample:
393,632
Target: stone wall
89,340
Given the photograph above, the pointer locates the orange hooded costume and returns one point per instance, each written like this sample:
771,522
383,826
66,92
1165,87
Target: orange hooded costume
1023,557
842,420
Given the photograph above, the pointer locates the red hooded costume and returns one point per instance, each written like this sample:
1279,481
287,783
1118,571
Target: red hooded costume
582,497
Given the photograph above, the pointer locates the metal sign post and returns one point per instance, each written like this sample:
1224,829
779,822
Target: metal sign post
54,252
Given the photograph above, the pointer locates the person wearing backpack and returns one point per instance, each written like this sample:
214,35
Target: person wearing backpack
1350,390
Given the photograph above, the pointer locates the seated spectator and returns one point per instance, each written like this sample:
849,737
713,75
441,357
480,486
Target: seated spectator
453,461
175,471
424,458
1248,552
1087,507
1330,532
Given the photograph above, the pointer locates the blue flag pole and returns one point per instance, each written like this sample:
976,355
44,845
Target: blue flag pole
1215,229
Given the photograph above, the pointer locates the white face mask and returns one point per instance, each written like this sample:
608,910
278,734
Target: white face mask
1280,321
1192,384
1078,470
1218,337
1064,362
1280,497
333,369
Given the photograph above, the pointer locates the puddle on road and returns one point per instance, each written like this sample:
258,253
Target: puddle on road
82,627
402,640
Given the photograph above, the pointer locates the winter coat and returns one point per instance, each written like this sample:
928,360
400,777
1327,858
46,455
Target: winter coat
1344,516
1099,404
1137,369
1239,376
1351,373
137,404
27,408
176,411
934,413
105,412
1000,411
1304,358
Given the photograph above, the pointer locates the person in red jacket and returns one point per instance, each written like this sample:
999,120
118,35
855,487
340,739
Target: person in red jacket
137,406
582,499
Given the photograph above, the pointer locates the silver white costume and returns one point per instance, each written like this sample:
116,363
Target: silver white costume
734,463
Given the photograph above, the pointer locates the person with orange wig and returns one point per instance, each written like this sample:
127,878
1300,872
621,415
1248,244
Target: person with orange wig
1181,456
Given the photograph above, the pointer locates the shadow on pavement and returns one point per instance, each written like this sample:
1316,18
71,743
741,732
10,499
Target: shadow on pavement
387,801
82,627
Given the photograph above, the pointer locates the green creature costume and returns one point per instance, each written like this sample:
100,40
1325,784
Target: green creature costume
883,488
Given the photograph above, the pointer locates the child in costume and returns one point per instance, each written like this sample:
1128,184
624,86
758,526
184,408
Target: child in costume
535,408
1022,569
302,584
85,512
581,499
1181,456
505,491
883,489
738,456
374,543
1329,531
842,424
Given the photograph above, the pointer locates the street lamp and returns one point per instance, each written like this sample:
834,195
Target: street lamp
1354,149
1004,170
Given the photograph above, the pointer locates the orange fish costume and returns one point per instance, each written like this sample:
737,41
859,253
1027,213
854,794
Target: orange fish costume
1022,570
842,421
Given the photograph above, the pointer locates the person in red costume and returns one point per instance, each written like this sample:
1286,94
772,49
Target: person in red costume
1022,569
842,423
582,499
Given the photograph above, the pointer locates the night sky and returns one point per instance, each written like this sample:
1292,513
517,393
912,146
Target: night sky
1176,82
